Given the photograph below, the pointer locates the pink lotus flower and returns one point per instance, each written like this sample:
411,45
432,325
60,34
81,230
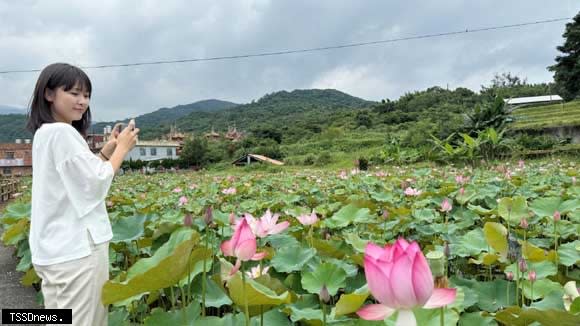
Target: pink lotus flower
182,200
509,276
524,223
343,175
462,191
193,186
399,277
412,192
557,216
177,190
532,276
306,219
242,245
229,191
267,224
446,206
460,179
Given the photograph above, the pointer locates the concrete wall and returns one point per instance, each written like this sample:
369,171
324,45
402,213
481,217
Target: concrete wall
144,153
572,132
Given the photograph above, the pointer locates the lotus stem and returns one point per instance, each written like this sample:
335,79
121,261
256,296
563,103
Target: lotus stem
246,311
323,312
204,278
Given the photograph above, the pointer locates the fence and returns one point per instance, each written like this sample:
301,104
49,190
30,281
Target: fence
7,188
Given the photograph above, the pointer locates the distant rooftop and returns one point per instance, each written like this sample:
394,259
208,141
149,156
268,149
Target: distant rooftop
533,99
157,143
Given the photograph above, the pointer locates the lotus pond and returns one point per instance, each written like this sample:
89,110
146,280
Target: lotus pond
493,245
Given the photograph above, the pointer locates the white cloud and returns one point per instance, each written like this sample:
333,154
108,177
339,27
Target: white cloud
36,33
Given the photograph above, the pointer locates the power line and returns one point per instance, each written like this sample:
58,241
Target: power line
326,48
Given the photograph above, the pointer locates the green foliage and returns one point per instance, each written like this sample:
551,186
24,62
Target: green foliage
567,67
195,151
489,115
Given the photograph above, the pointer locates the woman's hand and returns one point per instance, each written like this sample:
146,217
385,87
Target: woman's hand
109,147
127,139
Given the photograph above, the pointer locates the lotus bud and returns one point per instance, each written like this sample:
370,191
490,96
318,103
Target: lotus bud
324,295
188,220
557,216
522,265
532,276
385,214
447,250
208,217
509,276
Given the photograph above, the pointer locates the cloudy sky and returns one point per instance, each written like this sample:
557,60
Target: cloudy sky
36,33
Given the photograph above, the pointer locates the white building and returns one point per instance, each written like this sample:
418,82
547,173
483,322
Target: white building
153,150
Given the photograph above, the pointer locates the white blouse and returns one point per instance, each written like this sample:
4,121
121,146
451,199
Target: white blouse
69,187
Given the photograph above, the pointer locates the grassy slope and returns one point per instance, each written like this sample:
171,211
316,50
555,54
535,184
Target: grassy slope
546,116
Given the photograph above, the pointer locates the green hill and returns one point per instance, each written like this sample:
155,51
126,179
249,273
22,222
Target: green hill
13,126
157,123
296,112
546,116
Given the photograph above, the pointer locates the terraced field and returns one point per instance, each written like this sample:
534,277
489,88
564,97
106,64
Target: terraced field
540,117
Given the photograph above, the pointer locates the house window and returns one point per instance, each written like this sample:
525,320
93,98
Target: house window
7,171
142,151
9,155
153,151
170,152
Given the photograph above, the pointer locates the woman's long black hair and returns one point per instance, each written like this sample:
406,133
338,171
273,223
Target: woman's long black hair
52,77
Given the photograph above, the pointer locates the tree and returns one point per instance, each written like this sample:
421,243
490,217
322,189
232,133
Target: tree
489,115
195,151
567,67
363,119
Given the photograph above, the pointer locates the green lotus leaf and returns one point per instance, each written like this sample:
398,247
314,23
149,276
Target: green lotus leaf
165,273
293,258
185,317
569,253
496,237
347,215
214,295
255,293
513,209
326,274
517,316
127,229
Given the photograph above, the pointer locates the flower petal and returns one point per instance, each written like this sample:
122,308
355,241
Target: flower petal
259,256
279,227
378,282
374,251
236,267
401,281
246,249
422,279
375,312
440,298
227,248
